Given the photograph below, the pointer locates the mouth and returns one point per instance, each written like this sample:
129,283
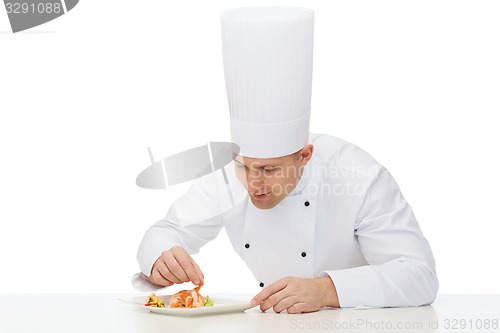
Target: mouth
261,196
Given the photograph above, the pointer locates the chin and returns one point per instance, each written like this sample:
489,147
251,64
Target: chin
263,205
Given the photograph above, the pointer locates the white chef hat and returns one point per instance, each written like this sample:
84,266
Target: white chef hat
268,70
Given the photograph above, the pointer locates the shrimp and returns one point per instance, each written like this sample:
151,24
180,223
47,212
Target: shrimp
187,299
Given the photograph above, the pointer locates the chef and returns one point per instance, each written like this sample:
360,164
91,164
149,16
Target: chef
321,222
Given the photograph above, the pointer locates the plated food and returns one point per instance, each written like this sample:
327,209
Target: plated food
183,299
212,306
154,301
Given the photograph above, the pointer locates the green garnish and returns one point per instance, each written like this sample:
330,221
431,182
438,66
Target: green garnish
208,301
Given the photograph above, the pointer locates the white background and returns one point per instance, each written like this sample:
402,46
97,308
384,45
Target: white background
416,84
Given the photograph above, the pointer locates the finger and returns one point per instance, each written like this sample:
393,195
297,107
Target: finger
158,279
199,273
167,274
274,299
285,303
175,269
300,308
187,266
269,290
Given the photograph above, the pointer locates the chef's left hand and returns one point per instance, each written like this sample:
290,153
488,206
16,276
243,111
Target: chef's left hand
297,295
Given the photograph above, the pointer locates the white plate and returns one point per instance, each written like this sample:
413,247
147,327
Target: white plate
221,305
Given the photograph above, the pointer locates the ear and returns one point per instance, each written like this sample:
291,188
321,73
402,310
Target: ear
306,154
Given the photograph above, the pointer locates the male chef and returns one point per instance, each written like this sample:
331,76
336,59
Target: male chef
321,223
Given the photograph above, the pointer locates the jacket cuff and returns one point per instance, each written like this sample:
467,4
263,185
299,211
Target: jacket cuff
359,286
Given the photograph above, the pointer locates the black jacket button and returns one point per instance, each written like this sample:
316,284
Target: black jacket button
306,204
261,284
247,246
303,254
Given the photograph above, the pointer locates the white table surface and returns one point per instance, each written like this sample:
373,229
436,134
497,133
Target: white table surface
104,313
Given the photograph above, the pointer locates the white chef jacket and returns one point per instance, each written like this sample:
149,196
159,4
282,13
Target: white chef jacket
346,218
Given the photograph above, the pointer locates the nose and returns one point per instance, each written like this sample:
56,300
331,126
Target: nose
255,180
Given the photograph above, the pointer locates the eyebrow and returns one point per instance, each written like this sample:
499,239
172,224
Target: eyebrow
261,166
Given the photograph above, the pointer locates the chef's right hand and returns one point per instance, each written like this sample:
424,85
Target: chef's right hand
175,266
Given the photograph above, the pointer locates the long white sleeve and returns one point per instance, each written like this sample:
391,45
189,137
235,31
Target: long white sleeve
401,270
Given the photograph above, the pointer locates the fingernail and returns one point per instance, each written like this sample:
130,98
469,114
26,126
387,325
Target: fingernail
196,282
253,302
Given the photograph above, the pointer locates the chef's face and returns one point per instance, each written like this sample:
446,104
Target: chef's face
270,180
